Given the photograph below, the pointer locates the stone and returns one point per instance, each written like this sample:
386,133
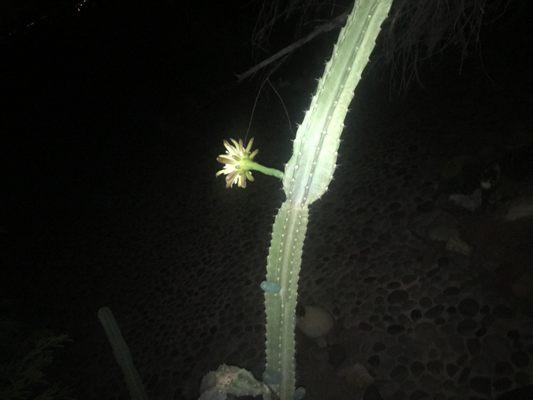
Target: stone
523,393
481,332
336,355
520,359
395,350
398,297
461,359
496,346
463,376
466,326
425,302
473,345
482,365
522,378
457,245
419,395
434,311
417,368
522,286
443,262
416,314
503,368
487,320
469,307
356,376
451,291
513,334
442,232
433,353
502,311
399,395
365,326
481,385
520,208
372,393
457,343
395,329
374,360
451,369
399,373
409,278
501,384
470,202
430,382
435,367
315,323
378,346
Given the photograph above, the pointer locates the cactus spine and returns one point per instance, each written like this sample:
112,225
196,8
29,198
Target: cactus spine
307,176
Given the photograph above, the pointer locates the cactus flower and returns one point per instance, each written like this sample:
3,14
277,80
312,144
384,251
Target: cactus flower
238,164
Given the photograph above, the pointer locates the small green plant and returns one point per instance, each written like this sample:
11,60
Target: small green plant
25,356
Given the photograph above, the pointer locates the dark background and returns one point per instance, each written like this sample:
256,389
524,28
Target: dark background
88,99
84,91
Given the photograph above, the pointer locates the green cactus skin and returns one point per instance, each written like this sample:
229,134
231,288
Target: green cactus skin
306,178
283,268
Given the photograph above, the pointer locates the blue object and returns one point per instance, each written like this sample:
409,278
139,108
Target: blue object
270,287
299,393
271,377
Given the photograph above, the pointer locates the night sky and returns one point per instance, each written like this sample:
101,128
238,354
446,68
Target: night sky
122,98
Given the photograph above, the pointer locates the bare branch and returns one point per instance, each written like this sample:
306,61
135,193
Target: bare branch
328,26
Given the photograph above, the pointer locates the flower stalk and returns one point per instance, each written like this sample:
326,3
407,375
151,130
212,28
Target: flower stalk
238,164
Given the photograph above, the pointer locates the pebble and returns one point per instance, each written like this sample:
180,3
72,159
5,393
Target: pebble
417,368
501,384
463,376
372,393
416,314
336,355
425,302
520,359
522,378
399,373
466,326
434,311
365,326
374,360
468,307
419,395
503,368
481,385
398,297
496,346
425,332
473,345
503,311
434,367
378,346
451,369
451,291
395,329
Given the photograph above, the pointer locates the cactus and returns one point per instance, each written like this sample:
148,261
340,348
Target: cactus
306,178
